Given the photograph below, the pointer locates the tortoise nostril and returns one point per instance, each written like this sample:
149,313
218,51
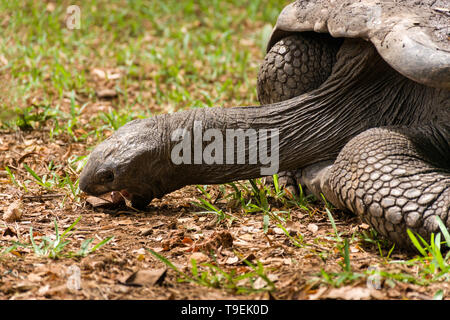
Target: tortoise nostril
105,176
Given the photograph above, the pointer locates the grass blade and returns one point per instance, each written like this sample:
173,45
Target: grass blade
11,176
101,243
169,264
69,228
416,242
276,184
347,257
333,224
444,230
439,295
35,176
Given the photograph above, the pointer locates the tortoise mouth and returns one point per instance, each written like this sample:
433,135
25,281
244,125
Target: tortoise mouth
125,194
137,201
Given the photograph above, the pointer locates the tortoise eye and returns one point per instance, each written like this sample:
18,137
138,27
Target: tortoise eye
105,176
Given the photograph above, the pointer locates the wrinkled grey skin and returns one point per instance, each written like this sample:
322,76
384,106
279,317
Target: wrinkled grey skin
374,135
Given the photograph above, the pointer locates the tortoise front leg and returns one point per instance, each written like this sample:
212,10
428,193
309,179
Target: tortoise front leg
293,66
394,178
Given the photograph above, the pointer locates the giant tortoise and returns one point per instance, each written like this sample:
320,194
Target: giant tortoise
358,94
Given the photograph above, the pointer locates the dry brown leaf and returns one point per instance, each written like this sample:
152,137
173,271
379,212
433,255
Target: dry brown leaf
25,285
292,227
313,227
364,226
14,211
33,277
43,290
187,240
316,294
277,230
116,197
146,277
110,200
3,60
246,237
349,293
106,93
113,76
50,7
97,219
261,283
99,73
9,232
98,202
222,239
146,231
377,294
232,260
124,222
249,258
199,257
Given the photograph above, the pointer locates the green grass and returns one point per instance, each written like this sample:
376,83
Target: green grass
210,275
169,55
434,261
253,197
207,204
54,246
161,49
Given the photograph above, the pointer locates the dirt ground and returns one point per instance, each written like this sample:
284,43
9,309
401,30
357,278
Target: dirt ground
306,264
125,269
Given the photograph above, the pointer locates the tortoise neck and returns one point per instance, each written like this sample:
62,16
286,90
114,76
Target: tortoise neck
218,145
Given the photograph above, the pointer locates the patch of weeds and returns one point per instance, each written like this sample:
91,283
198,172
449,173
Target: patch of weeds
73,118
434,264
37,116
54,246
43,181
115,119
207,204
372,237
253,198
259,195
215,277
301,200
257,199
346,276
51,180
439,295
29,117
333,225
296,241
12,177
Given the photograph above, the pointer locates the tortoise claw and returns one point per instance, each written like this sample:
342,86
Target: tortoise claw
289,180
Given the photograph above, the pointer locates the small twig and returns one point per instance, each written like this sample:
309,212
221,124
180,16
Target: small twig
4,195
43,196
443,10
27,155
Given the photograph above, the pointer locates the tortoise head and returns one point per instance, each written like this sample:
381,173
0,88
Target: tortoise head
128,161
